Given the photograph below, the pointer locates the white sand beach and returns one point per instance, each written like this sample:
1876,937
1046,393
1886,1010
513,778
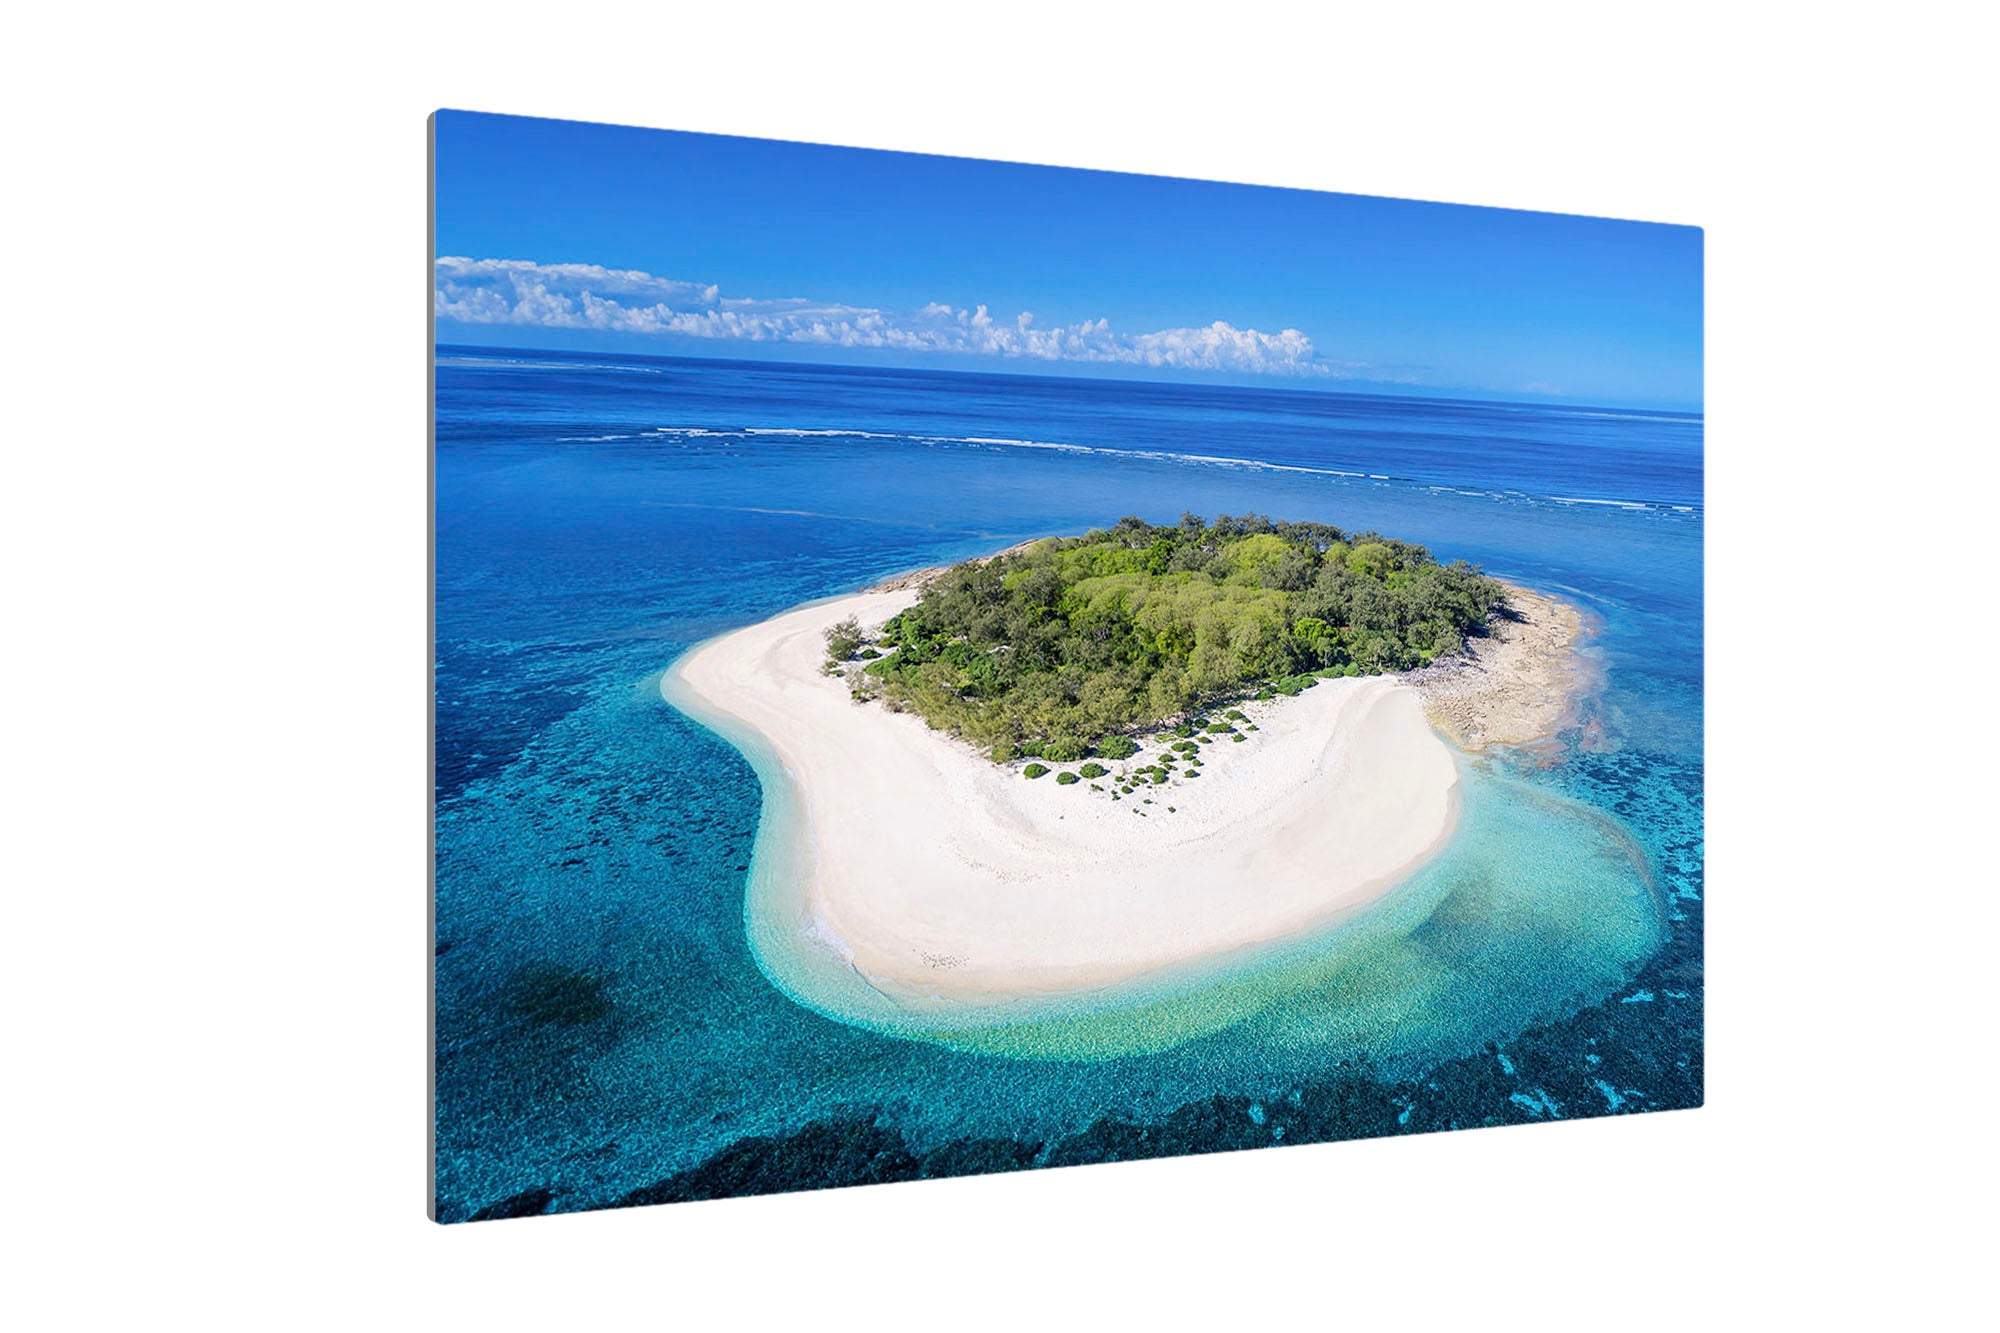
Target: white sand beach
937,873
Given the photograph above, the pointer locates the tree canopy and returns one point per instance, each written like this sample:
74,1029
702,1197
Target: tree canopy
1054,649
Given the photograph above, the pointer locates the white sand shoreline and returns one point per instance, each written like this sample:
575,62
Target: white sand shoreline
937,875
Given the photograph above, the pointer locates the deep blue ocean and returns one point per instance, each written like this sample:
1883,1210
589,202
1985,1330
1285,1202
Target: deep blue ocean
602,1032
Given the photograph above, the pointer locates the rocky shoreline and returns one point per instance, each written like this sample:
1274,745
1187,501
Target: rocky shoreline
1520,684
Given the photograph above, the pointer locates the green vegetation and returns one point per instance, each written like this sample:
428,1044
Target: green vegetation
843,639
1093,770
1065,778
1034,770
1057,651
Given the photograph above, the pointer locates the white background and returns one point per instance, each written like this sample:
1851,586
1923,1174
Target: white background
214,501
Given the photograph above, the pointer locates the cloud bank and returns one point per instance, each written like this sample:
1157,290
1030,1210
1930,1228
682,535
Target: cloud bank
586,296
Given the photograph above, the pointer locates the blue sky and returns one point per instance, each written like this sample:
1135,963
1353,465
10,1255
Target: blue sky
563,235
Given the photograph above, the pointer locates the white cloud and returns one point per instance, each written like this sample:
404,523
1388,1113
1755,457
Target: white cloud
586,296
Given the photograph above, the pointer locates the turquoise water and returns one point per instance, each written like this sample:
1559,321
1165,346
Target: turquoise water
1533,895
601,1022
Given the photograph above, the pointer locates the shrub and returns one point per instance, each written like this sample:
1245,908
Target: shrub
868,654
1094,770
1186,747
1184,729
1064,749
1220,729
1234,714
843,639
1194,772
1034,770
1117,747
1065,778
1239,736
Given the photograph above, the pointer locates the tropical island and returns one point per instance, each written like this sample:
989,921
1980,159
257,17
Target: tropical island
1061,648
1091,760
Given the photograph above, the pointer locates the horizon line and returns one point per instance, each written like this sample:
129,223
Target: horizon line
1316,391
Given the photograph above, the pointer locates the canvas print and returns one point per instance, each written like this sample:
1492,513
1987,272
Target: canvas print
947,666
